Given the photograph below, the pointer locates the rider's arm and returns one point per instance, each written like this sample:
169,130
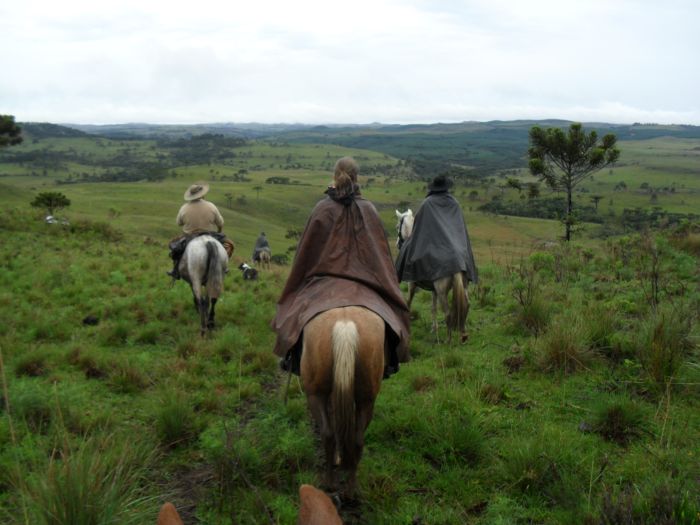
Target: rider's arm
218,220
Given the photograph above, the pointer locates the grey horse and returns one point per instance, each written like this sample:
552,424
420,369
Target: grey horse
203,266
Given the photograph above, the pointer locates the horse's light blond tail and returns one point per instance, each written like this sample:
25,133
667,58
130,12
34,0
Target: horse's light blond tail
346,341
460,304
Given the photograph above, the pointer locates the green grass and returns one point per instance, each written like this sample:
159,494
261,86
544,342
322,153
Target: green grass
489,432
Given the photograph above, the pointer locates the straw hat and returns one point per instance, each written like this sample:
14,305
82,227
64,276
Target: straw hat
196,191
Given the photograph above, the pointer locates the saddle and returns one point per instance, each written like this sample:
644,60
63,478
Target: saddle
179,245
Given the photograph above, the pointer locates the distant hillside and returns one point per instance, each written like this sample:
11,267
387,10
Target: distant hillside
467,149
464,149
45,130
161,131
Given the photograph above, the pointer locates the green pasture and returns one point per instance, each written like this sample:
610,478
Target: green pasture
576,399
500,430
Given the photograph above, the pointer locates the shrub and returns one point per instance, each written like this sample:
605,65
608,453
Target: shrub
102,230
484,295
281,259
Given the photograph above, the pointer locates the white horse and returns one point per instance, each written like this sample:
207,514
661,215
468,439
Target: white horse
203,266
404,227
456,313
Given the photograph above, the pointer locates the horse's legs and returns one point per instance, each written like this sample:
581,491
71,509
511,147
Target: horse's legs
210,321
317,405
464,335
441,290
203,312
433,310
363,417
411,293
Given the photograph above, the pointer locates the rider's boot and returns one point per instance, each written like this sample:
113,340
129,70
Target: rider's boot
174,273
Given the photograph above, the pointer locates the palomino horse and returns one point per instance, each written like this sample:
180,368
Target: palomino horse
316,509
203,266
456,313
342,365
264,257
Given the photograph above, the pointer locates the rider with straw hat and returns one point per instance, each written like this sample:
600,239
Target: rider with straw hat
197,216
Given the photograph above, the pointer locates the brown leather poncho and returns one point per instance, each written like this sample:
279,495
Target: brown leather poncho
342,259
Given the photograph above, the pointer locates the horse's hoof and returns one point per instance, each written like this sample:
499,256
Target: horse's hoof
465,338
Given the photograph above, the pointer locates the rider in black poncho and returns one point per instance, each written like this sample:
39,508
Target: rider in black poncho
439,244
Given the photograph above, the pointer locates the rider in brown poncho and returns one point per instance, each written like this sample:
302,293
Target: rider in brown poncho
342,259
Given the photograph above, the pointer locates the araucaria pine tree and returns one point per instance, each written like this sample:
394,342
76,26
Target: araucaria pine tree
564,159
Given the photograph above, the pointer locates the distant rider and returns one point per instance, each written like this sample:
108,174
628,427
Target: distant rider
197,217
261,244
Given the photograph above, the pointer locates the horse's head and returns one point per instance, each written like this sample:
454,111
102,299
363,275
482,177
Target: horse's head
404,226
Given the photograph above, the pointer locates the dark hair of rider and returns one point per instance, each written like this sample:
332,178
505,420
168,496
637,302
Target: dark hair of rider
345,175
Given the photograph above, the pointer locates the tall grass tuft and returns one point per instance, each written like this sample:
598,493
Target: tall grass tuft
619,421
665,503
534,316
31,403
565,346
97,483
663,342
127,378
31,364
539,469
176,422
601,324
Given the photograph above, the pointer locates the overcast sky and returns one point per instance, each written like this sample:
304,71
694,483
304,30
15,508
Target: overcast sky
359,61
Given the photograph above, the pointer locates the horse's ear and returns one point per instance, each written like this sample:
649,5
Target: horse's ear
168,515
409,211
316,508
398,214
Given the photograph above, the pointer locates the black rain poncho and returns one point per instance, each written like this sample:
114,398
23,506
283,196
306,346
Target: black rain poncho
439,244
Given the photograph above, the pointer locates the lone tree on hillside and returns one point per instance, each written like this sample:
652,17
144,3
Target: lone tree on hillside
10,132
50,201
563,159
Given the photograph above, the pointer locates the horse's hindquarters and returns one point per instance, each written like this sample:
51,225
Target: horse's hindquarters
342,365
317,356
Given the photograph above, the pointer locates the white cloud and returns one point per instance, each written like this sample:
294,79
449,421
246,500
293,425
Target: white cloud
379,60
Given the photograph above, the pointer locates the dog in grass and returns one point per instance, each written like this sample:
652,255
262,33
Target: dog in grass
249,273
